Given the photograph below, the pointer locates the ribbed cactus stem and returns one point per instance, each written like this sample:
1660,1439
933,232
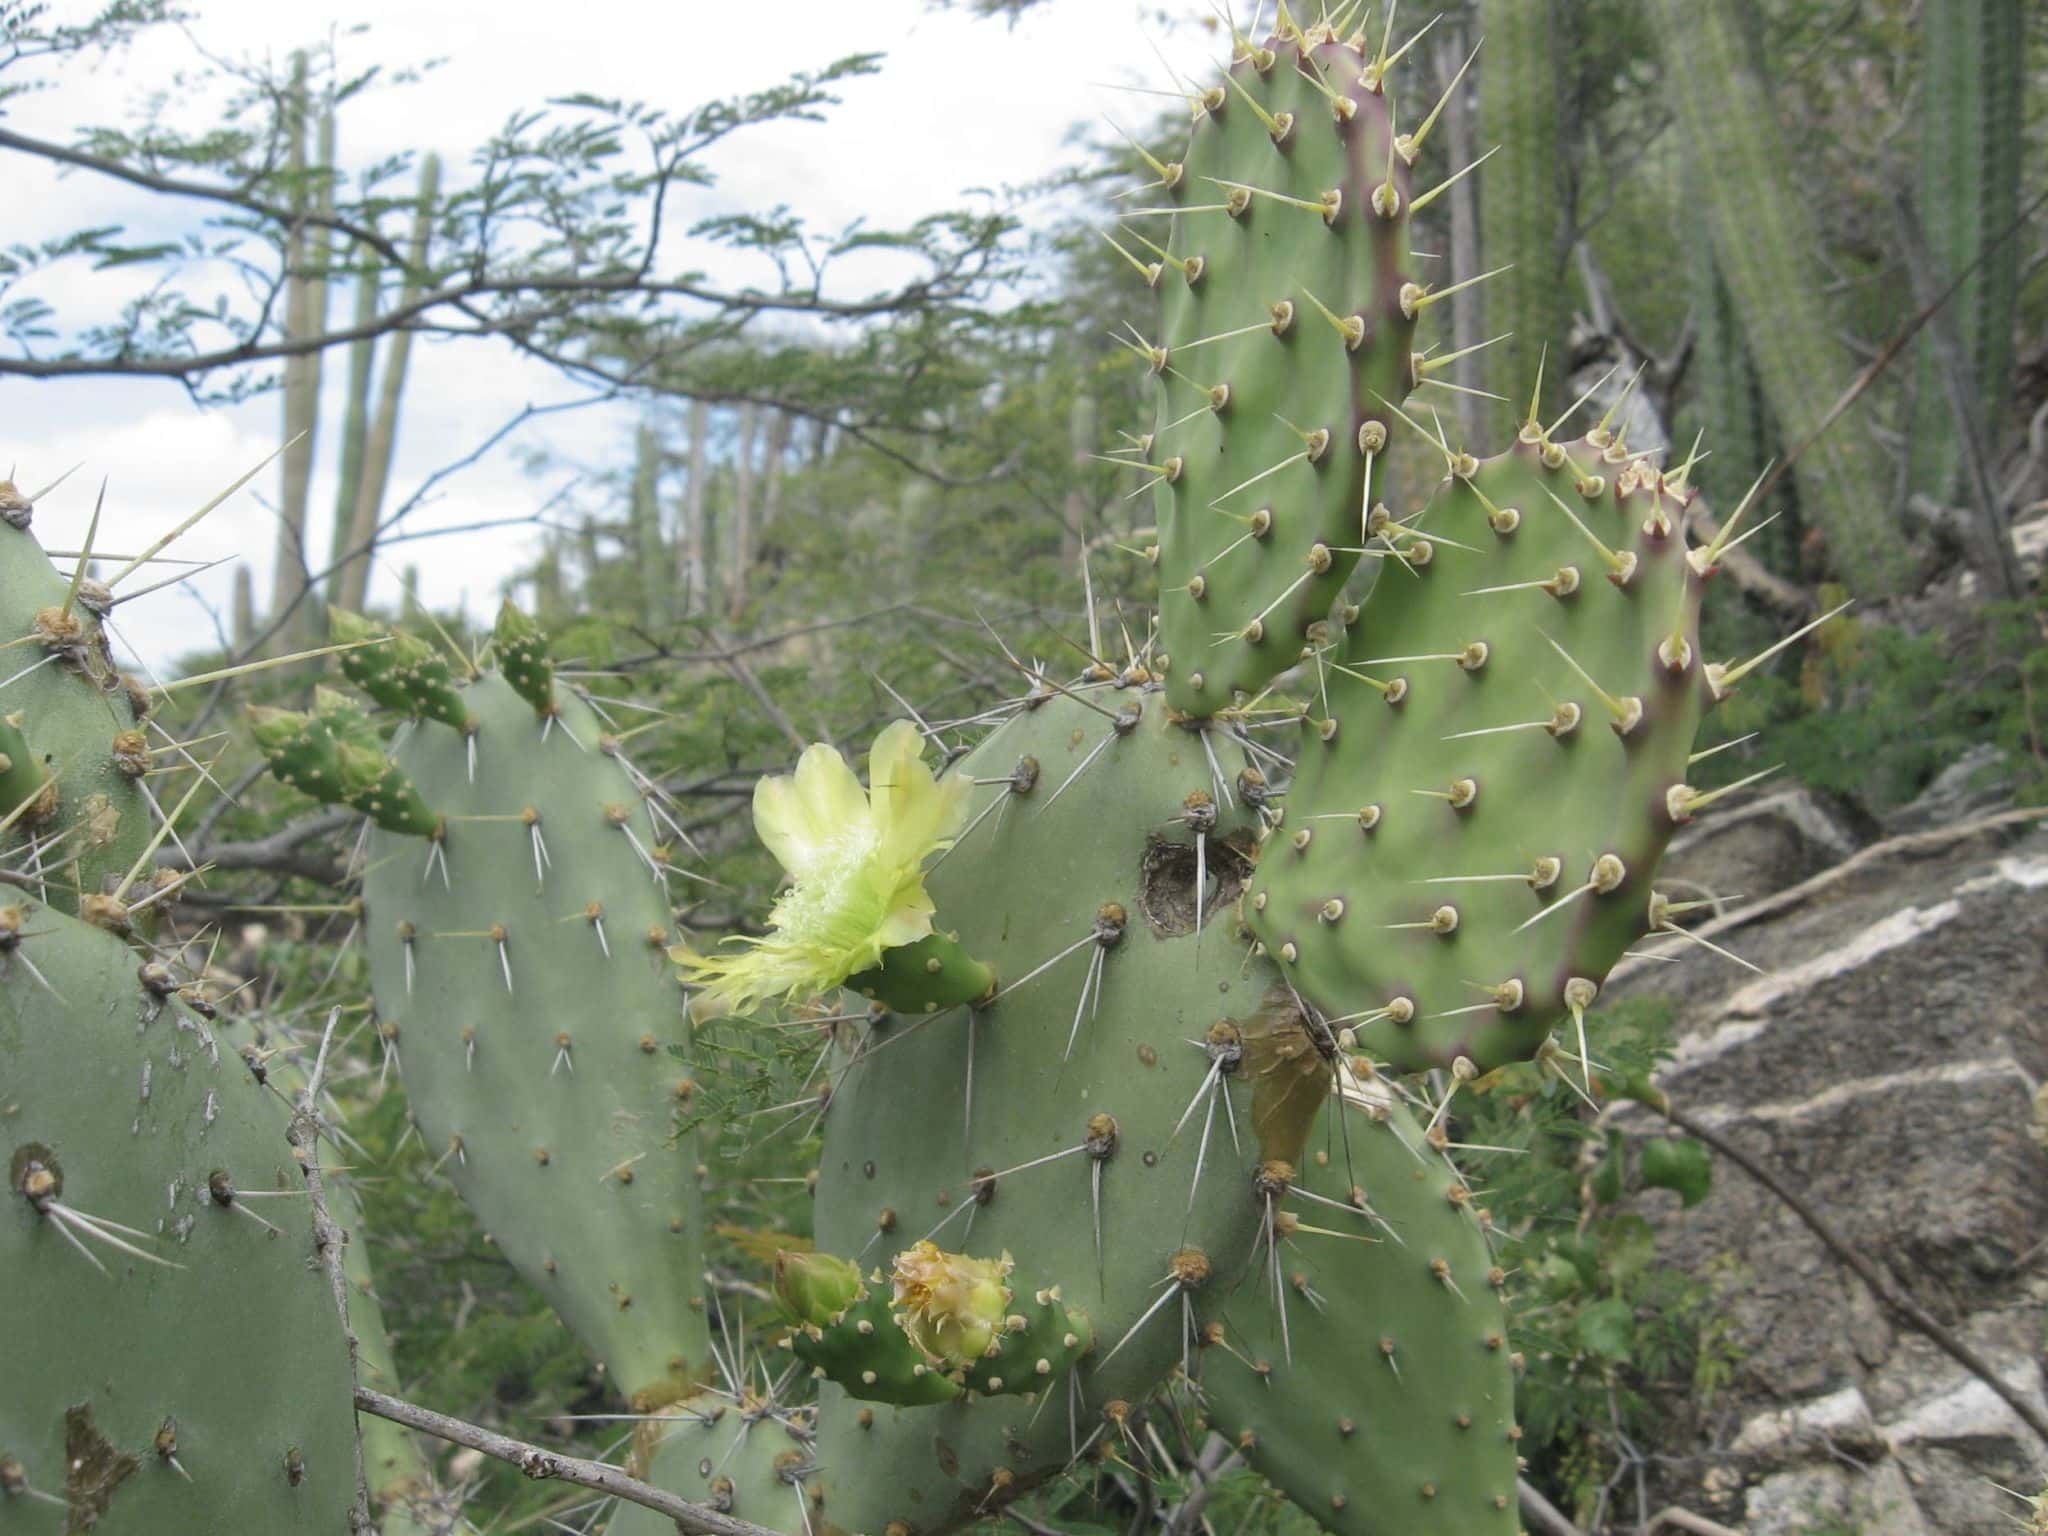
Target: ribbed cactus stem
1523,199
355,423
1084,430
381,445
1764,237
1971,134
1728,403
305,309
644,520
690,542
244,609
740,549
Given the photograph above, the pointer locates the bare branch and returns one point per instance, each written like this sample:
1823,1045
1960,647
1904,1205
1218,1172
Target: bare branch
695,1519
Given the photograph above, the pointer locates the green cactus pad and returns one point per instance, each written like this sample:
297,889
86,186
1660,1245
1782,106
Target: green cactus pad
1081,840
1384,1399
1495,761
525,985
334,755
374,784
1286,318
404,1494
754,1462
1033,1358
345,719
23,778
1073,1097
205,1387
299,749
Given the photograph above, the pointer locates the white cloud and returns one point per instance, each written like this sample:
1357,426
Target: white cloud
959,104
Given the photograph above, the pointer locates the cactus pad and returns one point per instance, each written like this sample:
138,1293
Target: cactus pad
174,1357
1286,319
79,719
1381,1397
519,964
1495,760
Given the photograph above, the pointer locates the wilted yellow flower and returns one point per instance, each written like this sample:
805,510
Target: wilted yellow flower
857,859
951,1306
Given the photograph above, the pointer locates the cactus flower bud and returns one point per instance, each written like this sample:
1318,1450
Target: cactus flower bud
816,1287
951,1306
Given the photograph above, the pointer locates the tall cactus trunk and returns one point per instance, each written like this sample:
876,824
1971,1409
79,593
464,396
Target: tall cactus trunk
382,442
244,611
550,594
307,249
1763,237
917,511
355,424
588,559
1468,318
690,542
650,553
1728,403
1083,427
746,480
1971,135
774,476
1525,202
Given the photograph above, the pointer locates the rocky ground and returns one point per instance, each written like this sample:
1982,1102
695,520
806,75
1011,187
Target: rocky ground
1885,1066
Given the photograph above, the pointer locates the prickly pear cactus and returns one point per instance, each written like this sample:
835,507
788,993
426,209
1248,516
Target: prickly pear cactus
1364,1367
518,958
1278,245
1095,1117
1495,759
75,727
175,1359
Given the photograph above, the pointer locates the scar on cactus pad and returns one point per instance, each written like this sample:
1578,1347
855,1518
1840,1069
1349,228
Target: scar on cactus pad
857,859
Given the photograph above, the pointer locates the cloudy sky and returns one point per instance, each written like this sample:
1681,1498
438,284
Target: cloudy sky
960,104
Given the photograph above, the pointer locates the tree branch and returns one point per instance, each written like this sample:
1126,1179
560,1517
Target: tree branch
694,1519
1891,1295
278,853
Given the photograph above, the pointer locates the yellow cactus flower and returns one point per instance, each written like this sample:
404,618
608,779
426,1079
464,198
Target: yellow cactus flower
951,1306
857,862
